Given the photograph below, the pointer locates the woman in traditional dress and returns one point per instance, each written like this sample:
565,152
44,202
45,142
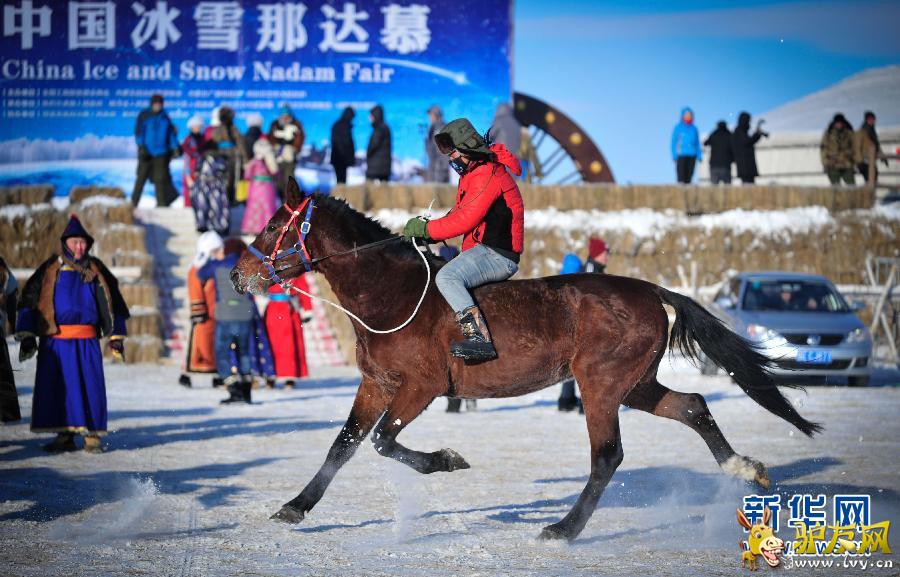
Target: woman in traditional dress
284,318
261,201
209,197
193,146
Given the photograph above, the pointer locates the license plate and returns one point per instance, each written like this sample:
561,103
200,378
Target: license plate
814,357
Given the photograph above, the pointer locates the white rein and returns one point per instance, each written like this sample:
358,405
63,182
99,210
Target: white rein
288,287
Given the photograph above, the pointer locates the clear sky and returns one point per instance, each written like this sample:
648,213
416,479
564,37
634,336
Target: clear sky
624,69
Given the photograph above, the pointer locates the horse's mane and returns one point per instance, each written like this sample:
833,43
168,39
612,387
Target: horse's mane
363,228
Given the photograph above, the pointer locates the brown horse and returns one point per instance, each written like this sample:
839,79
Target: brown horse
609,332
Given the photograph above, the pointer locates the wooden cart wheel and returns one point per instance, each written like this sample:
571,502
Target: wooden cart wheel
566,154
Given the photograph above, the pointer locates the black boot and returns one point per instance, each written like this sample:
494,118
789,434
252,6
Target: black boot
63,443
184,380
477,345
217,382
235,391
246,387
568,401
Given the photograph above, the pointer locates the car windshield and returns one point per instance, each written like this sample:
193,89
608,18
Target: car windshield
800,296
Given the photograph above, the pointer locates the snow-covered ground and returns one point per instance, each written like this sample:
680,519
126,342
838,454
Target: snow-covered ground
187,486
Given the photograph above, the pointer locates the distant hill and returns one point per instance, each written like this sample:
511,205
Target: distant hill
875,89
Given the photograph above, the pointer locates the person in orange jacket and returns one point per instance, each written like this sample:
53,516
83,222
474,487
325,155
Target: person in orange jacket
201,346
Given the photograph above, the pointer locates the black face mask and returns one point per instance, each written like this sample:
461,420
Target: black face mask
460,167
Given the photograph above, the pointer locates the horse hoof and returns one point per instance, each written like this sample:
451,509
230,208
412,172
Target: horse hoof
288,515
761,477
553,533
747,469
453,460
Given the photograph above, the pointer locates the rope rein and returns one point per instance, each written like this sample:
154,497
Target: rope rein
289,287
299,248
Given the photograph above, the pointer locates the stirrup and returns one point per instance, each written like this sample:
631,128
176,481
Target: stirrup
470,350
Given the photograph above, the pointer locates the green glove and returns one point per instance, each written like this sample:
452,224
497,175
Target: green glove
415,228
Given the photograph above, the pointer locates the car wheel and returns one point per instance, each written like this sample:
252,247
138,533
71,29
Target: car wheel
858,381
708,367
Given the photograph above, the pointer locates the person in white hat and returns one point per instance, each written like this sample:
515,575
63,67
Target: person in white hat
201,346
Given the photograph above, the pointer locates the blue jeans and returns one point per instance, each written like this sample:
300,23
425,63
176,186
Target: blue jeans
472,268
232,362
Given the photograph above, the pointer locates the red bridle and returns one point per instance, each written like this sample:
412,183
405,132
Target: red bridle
299,247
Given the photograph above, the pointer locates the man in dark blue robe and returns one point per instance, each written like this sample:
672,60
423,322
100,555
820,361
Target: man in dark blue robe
70,302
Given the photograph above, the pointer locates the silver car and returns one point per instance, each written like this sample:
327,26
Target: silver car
800,321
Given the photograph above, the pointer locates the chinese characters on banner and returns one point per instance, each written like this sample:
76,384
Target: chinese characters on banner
219,25
76,70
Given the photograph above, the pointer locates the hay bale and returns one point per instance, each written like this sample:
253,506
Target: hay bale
144,321
140,259
142,294
30,234
120,238
378,196
354,195
28,195
446,196
79,193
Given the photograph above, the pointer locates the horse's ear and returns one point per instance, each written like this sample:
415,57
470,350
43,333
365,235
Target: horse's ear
293,195
742,519
767,515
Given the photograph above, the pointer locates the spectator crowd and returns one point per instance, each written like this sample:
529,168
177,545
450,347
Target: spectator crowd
843,151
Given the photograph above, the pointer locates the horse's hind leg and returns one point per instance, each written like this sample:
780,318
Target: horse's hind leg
406,406
690,408
369,404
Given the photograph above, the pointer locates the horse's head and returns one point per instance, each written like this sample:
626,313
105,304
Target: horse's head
332,229
279,251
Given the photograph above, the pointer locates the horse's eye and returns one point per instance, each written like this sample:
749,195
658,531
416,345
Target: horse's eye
270,228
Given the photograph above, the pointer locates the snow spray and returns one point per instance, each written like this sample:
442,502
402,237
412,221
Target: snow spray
121,520
408,507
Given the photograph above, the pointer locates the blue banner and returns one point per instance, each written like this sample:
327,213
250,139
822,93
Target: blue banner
75,74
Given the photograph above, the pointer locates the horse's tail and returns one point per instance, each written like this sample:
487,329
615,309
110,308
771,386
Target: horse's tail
694,325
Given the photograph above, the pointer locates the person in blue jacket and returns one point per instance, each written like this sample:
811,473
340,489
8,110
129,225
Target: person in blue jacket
157,143
686,150
241,344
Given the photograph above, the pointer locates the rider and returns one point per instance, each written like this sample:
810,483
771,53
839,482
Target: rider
489,212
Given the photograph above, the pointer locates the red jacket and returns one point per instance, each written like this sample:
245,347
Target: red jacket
489,207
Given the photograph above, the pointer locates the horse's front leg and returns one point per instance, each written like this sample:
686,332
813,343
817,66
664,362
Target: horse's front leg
369,404
408,404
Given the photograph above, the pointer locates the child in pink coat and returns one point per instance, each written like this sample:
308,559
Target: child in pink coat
261,201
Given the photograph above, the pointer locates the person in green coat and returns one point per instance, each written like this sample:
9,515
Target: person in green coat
836,151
